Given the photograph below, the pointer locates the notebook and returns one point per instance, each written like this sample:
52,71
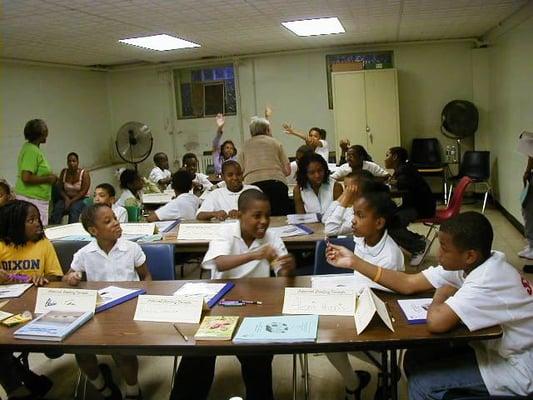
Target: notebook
212,292
216,328
53,326
112,296
415,310
295,219
283,329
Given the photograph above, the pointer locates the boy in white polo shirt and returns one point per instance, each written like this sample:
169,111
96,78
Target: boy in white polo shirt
475,286
160,174
200,181
183,206
108,258
245,249
372,212
104,193
222,203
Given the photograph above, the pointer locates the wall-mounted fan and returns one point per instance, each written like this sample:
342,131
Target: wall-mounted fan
134,142
459,119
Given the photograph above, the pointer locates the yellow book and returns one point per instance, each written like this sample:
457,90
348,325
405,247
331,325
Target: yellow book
216,328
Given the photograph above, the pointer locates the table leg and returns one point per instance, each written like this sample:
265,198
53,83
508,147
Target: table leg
294,375
306,376
385,373
394,375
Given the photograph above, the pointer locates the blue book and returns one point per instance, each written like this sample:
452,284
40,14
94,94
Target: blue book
282,329
112,296
53,325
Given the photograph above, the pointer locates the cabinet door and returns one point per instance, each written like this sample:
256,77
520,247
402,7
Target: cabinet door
349,108
382,112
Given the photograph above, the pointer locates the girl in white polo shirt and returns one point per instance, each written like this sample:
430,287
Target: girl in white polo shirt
372,211
183,206
474,286
108,258
315,191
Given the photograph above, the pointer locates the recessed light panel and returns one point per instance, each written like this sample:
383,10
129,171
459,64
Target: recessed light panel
160,42
316,26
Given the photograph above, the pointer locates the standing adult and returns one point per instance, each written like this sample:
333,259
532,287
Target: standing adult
266,165
73,186
34,177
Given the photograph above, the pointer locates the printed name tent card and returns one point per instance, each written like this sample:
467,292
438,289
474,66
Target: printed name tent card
356,281
63,231
64,299
157,198
368,304
204,232
335,301
183,309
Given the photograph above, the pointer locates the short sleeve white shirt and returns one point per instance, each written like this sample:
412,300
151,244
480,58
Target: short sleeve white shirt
386,253
370,166
202,179
495,293
119,265
337,219
156,174
126,195
120,212
222,199
184,207
323,150
231,243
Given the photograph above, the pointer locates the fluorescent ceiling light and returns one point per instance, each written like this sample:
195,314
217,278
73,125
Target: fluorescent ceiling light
160,42
316,26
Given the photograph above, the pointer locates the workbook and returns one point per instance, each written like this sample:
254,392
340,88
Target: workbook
53,325
219,327
415,310
112,296
302,218
211,292
290,230
283,329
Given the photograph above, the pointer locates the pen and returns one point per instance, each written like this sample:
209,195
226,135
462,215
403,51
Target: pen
180,332
390,314
251,302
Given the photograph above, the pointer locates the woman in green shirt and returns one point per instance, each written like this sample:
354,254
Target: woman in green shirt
35,178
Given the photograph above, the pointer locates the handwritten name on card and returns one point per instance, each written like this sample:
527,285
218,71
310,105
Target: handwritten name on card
184,309
319,301
64,299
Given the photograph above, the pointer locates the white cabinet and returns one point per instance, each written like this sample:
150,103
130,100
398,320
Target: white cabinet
365,109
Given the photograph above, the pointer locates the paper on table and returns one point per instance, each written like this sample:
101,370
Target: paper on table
165,226
367,306
206,290
356,281
64,299
319,301
302,218
415,310
157,198
136,228
204,232
184,309
13,290
61,231
4,315
287,231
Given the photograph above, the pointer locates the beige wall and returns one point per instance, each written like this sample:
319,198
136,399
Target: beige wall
510,109
72,102
294,85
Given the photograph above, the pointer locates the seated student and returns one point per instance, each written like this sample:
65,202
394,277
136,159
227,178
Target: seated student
200,181
357,159
183,206
338,217
417,202
160,174
108,258
104,193
476,287
315,190
24,250
301,152
222,203
316,139
222,152
132,185
245,249
6,194
372,212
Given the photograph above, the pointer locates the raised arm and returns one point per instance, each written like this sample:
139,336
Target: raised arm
288,129
220,121
400,282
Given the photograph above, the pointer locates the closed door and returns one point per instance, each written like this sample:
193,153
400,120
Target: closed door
349,108
382,116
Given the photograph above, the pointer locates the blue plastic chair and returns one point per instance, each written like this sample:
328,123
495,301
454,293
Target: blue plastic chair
160,261
322,267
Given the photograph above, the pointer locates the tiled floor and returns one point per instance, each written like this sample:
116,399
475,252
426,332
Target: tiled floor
325,383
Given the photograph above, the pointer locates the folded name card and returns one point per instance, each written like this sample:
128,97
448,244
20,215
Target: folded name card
65,299
184,309
319,301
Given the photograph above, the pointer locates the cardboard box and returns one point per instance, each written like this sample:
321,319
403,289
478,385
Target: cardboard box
348,66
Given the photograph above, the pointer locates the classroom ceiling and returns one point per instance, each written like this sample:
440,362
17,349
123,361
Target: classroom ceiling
86,32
